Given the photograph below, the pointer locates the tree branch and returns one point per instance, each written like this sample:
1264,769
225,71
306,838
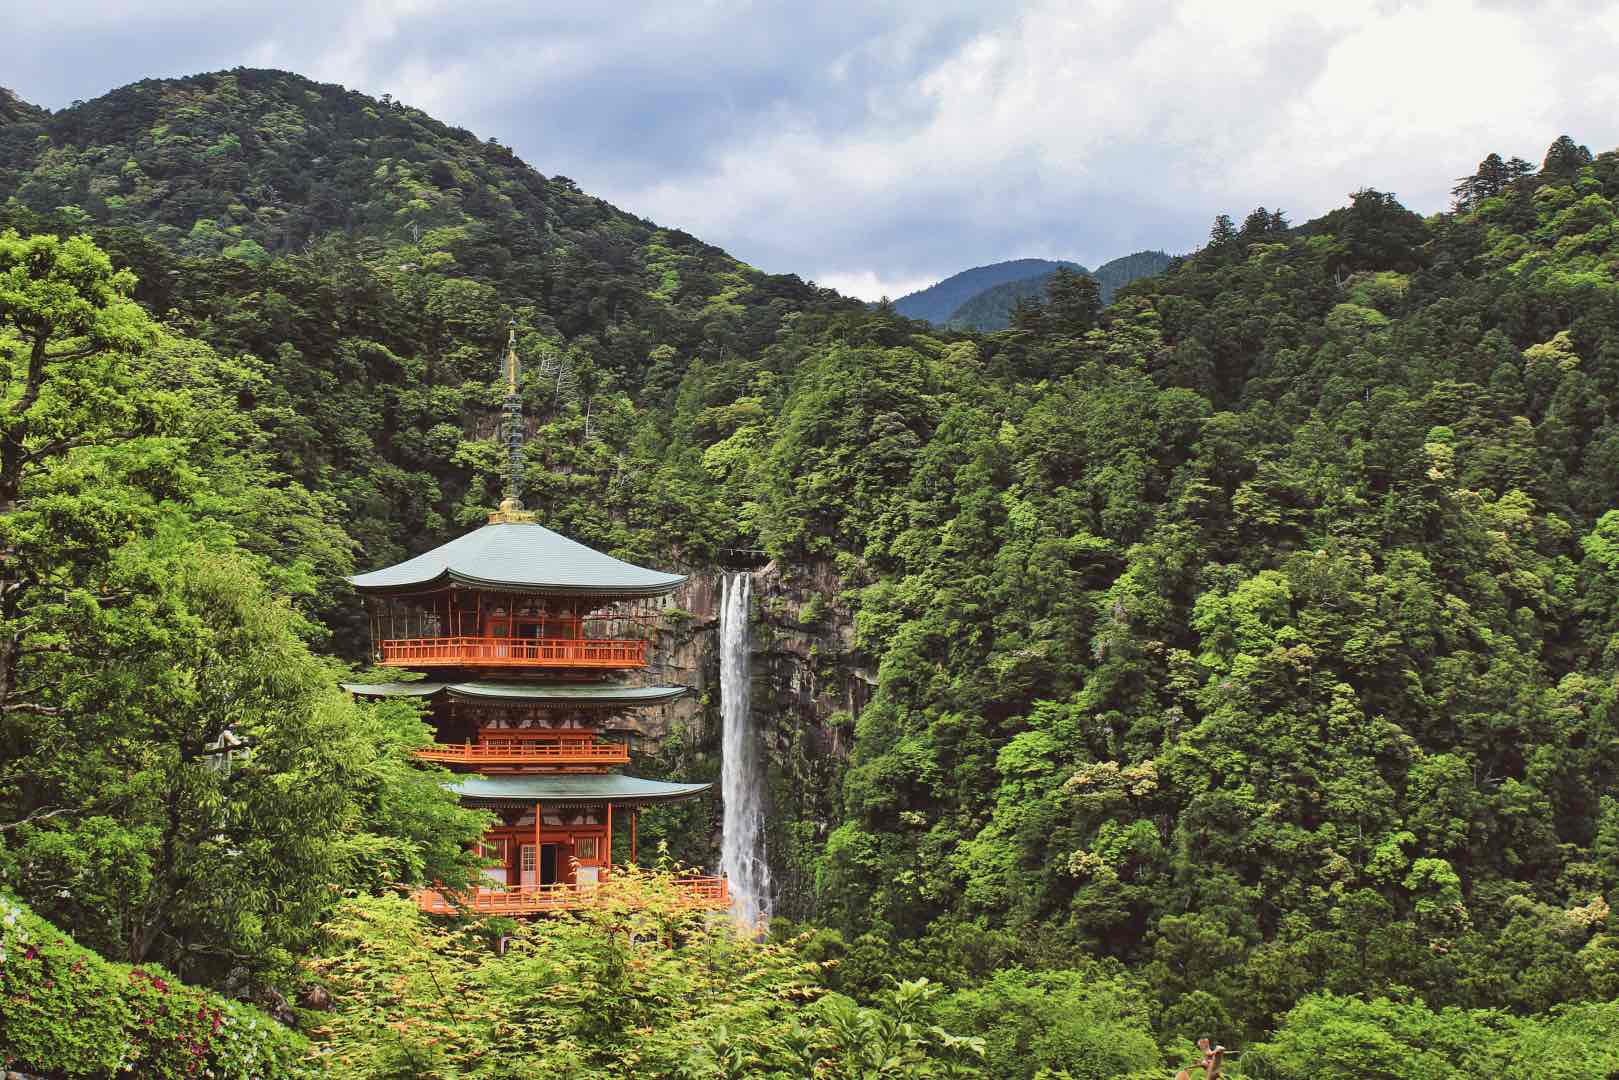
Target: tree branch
30,650
62,446
192,755
36,376
30,707
77,354
37,815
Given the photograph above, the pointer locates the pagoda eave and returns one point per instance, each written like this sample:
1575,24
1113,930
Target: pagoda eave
451,579
521,791
584,696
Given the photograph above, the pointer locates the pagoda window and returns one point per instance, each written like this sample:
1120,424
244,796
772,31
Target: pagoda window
586,848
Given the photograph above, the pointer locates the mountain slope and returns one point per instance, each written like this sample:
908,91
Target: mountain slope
1232,631
1115,274
370,257
938,302
250,163
14,110
991,309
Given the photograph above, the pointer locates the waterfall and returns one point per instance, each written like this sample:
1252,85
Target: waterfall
742,845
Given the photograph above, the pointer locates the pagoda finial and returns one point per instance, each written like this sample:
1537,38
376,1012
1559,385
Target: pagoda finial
511,507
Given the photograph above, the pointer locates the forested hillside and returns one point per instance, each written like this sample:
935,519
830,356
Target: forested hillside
992,309
1238,658
939,301
370,258
1255,630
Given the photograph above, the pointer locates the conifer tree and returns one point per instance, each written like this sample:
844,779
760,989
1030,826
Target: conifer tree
1073,301
1565,157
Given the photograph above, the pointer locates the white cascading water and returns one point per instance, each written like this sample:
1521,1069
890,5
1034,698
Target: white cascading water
742,844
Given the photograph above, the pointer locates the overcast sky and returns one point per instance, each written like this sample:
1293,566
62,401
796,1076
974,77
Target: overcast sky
877,147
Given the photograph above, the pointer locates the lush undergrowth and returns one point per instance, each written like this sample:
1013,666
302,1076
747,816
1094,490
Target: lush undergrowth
66,1012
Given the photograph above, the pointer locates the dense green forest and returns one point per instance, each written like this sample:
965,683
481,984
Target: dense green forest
1243,652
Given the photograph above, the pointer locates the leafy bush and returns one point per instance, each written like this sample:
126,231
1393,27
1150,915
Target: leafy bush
66,1012
1327,1037
1082,1024
639,988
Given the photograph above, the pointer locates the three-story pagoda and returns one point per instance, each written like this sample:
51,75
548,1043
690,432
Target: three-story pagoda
527,640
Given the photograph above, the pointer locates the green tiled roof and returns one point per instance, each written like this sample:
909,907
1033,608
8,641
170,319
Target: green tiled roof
524,557
570,787
597,695
393,689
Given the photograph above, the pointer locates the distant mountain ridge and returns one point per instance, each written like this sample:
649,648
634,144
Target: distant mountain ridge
991,309
938,302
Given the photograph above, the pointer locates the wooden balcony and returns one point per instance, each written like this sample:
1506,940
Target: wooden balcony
525,748
705,893
514,652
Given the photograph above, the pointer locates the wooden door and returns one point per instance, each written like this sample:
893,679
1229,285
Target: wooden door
526,863
548,864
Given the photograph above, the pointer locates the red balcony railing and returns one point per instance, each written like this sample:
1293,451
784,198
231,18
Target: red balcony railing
514,652
529,750
696,892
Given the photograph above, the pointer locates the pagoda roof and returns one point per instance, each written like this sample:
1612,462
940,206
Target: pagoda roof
600,695
522,557
569,787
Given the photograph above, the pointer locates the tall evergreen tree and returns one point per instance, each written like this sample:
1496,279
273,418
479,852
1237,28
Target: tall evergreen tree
1073,302
1565,157
1256,224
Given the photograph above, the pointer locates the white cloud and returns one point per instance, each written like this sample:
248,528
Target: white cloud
878,147
1051,127
866,285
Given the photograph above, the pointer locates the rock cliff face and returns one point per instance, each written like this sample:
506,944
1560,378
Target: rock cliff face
803,643
808,688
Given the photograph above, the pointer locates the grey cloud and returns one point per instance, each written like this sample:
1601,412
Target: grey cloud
845,137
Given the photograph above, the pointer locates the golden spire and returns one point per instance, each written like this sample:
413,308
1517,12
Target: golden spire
511,507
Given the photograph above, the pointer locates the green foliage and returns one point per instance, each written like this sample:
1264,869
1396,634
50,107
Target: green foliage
1256,643
69,1013
644,989
182,780
1329,1037
1073,1023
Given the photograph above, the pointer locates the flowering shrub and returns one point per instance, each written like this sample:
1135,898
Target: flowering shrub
65,1011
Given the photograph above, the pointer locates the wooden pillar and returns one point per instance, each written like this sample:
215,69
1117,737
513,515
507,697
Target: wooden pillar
635,812
609,836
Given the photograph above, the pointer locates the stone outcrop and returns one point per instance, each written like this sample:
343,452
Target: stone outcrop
809,686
